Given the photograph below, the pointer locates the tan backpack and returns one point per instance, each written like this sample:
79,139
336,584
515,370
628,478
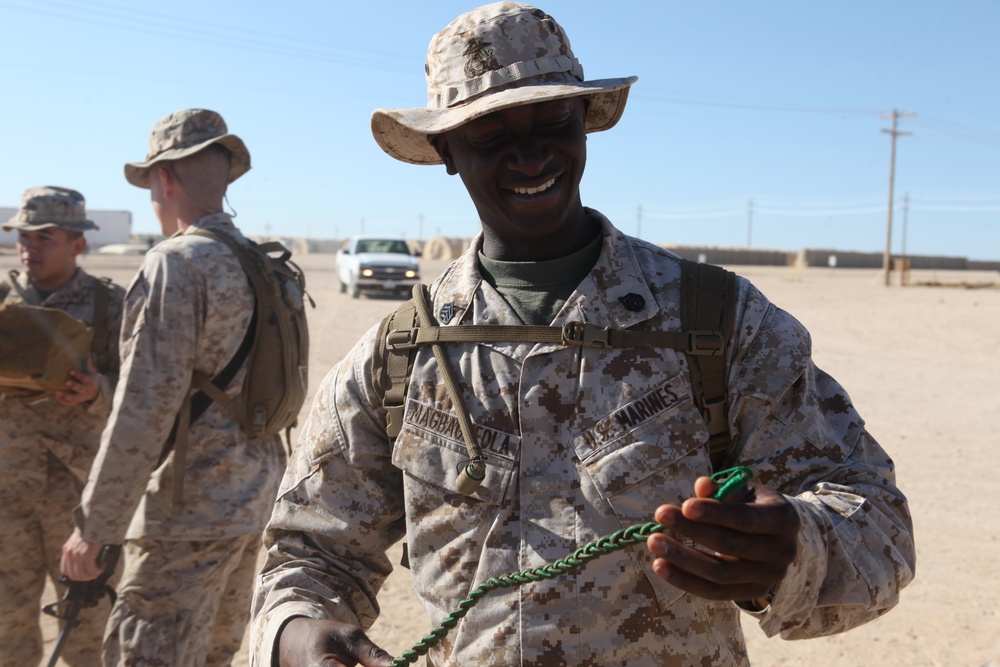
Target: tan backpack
276,348
277,342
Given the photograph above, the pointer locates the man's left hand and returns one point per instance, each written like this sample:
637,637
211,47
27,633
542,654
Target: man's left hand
79,558
80,387
747,543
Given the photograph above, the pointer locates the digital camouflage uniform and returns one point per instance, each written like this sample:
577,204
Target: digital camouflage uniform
580,443
188,574
45,453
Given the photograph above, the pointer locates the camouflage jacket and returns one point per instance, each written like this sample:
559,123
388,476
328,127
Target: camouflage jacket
187,309
580,443
36,425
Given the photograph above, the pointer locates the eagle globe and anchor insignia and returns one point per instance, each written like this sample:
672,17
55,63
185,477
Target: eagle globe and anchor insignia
481,58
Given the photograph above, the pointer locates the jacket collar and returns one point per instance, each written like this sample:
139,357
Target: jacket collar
72,291
600,299
220,220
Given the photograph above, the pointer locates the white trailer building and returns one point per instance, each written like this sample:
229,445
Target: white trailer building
115,227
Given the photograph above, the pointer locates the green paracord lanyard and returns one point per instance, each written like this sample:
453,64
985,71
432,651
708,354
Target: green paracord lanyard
730,480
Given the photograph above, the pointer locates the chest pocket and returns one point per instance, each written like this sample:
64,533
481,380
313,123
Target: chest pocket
441,521
430,450
645,454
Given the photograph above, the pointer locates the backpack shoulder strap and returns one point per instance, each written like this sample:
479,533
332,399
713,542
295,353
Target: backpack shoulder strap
12,276
102,296
708,300
391,366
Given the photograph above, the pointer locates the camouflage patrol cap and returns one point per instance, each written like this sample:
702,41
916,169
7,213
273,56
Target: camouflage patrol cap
184,133
50,206
497,56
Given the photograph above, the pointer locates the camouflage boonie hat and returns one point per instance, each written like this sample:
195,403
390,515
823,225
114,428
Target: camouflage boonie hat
497,56
50,206
184,133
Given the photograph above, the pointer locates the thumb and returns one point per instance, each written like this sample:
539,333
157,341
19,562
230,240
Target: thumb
704,487
369,654
734,486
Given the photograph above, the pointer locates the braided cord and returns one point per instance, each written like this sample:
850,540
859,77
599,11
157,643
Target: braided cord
579,558
731,480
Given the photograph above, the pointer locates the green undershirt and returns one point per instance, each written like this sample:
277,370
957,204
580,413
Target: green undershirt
537,290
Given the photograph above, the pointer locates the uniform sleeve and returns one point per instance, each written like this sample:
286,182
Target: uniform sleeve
339,509
800,433
154,377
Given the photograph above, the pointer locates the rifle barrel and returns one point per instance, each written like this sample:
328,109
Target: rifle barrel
69,622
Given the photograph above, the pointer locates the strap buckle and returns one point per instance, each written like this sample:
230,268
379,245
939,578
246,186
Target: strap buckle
401,339
706,343
584,334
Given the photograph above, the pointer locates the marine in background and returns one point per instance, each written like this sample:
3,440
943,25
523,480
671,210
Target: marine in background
190,515
48,439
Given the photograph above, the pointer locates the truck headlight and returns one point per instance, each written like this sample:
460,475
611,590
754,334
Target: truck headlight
410,273
367,273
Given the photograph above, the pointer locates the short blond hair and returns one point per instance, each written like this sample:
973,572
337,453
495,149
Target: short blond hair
204,175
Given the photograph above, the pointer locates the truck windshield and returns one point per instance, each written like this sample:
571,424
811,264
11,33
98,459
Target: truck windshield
383,245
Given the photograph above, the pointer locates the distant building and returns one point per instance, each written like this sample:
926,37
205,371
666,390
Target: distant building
115,227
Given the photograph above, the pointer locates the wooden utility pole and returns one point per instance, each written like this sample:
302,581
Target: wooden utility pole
895,132
906,214
904,263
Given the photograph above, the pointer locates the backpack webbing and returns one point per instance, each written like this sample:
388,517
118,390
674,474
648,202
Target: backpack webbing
391,369
708,300
200,401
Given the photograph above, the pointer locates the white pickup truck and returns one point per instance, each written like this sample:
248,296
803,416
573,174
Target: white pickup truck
376,264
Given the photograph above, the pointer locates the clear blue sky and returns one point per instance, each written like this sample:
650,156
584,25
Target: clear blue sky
778,102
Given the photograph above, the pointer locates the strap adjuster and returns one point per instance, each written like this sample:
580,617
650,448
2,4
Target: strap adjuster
584,334
401,339
706,343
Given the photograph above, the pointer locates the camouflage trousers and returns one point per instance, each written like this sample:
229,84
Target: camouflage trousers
33,528
182,604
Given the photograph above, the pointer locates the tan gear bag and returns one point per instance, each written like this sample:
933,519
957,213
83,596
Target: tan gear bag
275,348
277,343
39,346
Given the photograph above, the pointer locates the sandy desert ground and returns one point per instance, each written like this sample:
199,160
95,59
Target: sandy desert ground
923,366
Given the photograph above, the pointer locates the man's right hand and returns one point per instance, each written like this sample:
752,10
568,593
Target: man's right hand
79,558
307,642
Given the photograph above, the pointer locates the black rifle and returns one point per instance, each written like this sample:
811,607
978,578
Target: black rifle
82,595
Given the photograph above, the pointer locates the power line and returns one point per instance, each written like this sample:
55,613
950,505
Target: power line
165,25
982,135
763,209
839,111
